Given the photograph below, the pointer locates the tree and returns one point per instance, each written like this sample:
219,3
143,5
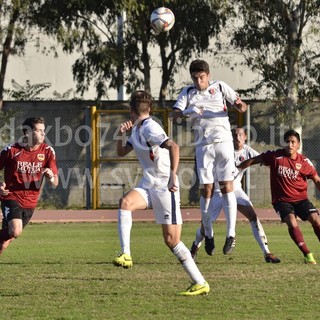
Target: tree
280,41
27,92
90,27
17,20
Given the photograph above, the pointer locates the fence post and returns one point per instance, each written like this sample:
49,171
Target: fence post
87,119
94,156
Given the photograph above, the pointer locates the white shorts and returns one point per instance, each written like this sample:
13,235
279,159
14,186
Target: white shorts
241,197
217,156
165,204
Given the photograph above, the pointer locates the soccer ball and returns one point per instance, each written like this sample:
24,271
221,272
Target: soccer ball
162,19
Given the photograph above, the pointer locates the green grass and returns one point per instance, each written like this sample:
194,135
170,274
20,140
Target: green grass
65,271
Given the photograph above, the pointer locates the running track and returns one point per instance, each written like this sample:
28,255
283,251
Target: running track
188,214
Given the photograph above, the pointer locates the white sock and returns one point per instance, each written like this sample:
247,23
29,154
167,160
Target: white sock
260,236
199,238
184,256
206,216
124,230
229,205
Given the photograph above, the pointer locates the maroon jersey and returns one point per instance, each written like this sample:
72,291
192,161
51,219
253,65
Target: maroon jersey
288,177
23,172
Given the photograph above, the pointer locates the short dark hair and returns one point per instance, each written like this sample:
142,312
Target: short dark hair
291,133
140,102
30,123
199,66
233,130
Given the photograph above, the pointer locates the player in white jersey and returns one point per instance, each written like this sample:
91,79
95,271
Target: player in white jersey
158,188
241,152
205,102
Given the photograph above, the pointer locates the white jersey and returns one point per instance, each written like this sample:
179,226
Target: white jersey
213,125
146,139
240,156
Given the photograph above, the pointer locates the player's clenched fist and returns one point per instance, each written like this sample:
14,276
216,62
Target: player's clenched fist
125,126
3,190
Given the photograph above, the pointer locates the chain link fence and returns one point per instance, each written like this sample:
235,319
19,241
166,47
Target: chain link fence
267,125
70,133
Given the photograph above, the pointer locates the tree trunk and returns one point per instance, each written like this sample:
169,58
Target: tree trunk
4,63
294,117
146,67
6,51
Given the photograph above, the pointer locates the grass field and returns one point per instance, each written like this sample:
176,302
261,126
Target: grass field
65,271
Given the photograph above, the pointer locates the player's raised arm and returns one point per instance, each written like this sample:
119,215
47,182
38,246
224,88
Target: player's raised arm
176,114
174,152
240,105
316,180
247,163
122,147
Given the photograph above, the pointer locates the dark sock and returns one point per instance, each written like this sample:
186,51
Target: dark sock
298,239
4,236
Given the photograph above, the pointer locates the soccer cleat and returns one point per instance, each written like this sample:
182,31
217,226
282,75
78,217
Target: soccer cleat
196,289
269,257
209,245
229,245
309,259
194,251
123,260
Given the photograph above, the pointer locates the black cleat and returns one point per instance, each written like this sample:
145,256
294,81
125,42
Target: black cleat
229,245
269,257
194,251
209,245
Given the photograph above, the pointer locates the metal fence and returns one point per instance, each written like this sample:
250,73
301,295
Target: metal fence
267,124
69,131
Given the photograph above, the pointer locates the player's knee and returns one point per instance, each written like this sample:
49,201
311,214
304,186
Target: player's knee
15,233
226,186
314,219
170,242
206,192
125,204
252,217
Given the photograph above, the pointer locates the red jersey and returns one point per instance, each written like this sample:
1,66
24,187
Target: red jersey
288,177
23,172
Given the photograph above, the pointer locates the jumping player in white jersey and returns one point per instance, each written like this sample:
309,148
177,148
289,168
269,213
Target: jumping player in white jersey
205,102
158,188
242,152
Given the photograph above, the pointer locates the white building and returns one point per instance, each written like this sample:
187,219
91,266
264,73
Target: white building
39,68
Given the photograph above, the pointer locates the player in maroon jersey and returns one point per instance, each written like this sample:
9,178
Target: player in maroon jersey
25,164
289,171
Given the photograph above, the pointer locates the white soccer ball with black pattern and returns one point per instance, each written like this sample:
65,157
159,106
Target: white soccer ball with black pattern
162,19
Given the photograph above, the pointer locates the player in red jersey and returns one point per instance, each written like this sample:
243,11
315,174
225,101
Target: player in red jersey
289,171
25,164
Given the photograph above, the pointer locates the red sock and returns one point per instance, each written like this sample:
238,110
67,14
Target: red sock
298,239
316,230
